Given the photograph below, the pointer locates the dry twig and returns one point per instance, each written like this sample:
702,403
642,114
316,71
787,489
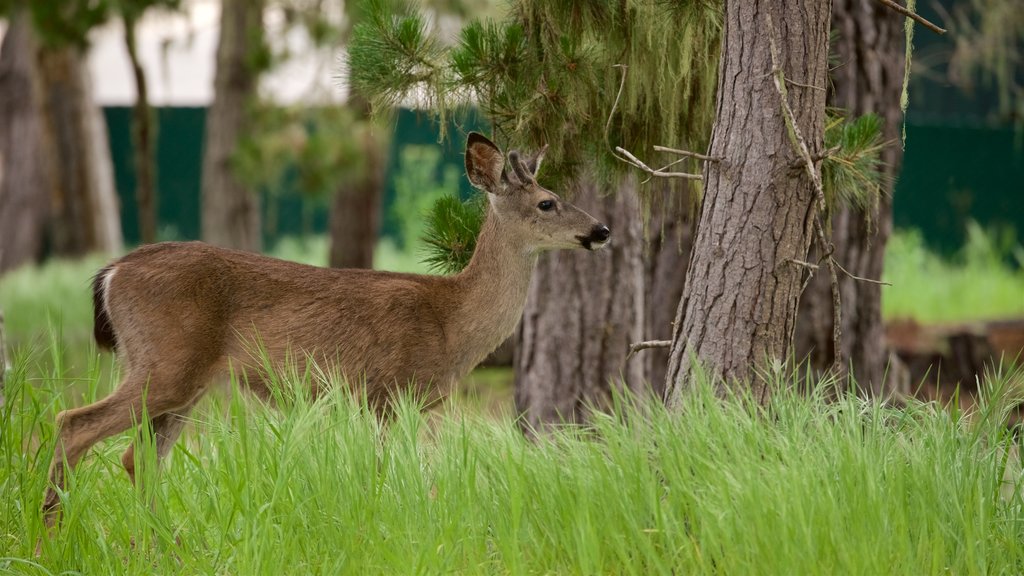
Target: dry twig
623,155
630,159
622,85
861,279
913,16
646,345
688,154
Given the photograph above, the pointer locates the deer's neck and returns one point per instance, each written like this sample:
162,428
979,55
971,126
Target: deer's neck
491,291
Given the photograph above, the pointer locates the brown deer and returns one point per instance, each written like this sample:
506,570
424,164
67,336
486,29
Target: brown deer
182,315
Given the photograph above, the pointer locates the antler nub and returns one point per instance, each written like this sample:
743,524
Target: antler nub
519,167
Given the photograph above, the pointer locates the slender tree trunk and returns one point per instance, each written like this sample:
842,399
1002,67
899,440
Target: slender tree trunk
24,183
739,304
869,46
84,215
105,203
143,138
667,258
355,209
231,212
583,311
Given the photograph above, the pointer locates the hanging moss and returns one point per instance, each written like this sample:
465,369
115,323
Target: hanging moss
584,77
550,72
908,27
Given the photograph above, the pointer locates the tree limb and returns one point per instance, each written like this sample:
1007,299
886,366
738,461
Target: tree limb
618,96
688,154
622,154
860,279
646,345
912,15
630,159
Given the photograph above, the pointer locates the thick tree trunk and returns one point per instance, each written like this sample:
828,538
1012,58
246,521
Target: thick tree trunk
739,305
24,182
583,311
231,212
667,256
143,137
355,209
84,211
869,44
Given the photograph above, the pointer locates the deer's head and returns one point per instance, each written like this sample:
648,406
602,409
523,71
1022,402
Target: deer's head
525,208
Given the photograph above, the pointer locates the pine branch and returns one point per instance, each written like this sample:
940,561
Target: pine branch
392,54
452,229
851,167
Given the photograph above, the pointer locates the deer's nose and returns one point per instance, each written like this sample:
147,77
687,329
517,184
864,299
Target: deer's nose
600,233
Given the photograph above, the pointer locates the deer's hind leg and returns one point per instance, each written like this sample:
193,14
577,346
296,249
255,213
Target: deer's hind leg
79,429
165,430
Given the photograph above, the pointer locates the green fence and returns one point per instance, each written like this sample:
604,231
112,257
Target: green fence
179,167
953,174
950,174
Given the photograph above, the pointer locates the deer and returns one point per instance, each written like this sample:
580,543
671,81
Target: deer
183,315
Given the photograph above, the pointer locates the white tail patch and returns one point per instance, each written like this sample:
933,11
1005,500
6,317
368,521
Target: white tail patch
106,288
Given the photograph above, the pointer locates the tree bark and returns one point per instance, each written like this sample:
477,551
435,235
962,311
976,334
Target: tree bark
105,204
143,137
84,211
24,203
355,209
667,258
583,311
869,46
231,212
739,304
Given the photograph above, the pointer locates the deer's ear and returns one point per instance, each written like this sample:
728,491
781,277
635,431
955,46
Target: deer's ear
484,163
533,162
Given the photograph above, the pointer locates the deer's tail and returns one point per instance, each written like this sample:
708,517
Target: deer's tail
102,329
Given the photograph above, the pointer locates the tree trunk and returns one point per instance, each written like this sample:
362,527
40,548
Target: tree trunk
583,311
355,209
105,203
231,212
667,258
739,304
143,137
84,211
24,203
869,44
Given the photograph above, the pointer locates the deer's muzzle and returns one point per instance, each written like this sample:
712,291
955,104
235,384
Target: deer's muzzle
597,238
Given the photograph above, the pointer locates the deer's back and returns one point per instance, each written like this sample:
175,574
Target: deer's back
195,303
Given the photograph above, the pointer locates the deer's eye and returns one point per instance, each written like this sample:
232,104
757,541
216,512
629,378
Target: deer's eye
546,205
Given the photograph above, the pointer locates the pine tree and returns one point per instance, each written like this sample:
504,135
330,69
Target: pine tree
230,210
580,78
595,81
56,174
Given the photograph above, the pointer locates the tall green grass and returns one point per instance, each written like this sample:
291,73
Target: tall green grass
316,487
985,280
